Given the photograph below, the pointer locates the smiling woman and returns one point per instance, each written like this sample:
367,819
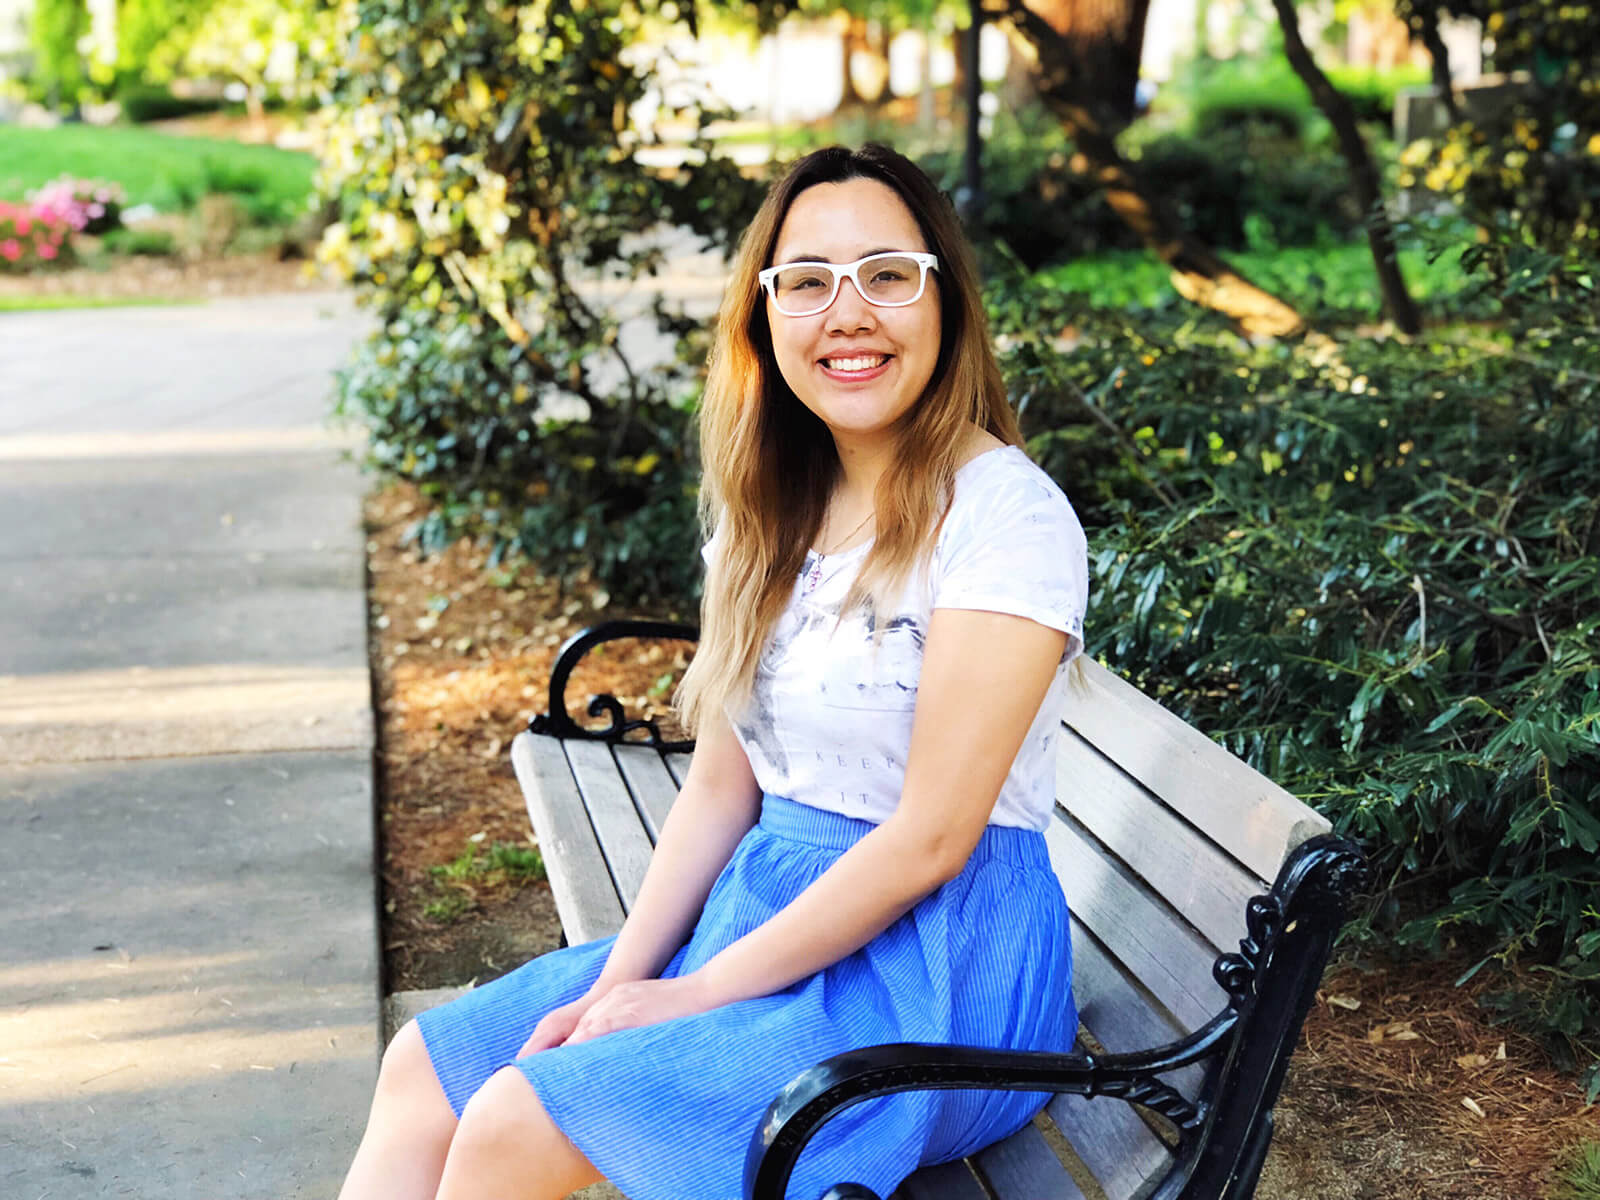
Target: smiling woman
894,597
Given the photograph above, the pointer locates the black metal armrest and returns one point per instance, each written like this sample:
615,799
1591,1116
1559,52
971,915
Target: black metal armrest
558,722
818,1094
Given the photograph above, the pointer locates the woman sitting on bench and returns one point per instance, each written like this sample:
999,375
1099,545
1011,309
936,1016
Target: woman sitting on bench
894,595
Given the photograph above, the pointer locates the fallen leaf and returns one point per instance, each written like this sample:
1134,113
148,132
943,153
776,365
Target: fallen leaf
1375,1034
1405,1035
1500,1054
1472,1106
1469,1061
1345,1002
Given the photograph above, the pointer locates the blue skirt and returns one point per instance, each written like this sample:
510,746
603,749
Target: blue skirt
667,1111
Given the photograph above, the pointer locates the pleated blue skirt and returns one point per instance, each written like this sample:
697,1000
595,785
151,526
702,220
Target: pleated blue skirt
667,1111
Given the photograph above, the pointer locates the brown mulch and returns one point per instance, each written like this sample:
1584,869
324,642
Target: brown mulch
461,657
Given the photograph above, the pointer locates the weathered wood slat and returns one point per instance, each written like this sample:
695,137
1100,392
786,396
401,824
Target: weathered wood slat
1171,959
1119,1013
616,821
947,1181
1171,856
585,898
1024,1166
651,783
678,764
1119,1149
1251,817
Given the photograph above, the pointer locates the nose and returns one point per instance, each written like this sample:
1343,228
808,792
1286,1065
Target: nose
850,309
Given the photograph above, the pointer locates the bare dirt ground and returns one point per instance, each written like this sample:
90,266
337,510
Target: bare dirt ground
1401,1088
174,279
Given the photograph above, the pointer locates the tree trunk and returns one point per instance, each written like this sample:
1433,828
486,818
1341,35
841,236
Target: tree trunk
1093,103
1423,18
1397,300
854,38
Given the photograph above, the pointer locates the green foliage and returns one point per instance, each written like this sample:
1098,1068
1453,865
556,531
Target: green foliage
502,862
60,78
142,102
151,243
484,168
1533,162
1369,568
1217,97
1578,1175
152,36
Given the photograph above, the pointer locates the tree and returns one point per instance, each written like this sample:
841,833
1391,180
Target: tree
1397,300
1087,53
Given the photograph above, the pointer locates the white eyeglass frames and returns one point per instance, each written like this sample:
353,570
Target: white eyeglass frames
891,280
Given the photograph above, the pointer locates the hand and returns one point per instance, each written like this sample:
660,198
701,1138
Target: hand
558,1024
645,1002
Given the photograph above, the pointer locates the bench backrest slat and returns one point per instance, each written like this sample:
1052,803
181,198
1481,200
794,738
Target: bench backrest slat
1176,860
1135,924
1025,1165
652,785
1249,816
616,820
678,764
1118,1011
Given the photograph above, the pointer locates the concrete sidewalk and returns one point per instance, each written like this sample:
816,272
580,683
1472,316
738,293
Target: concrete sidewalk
189,984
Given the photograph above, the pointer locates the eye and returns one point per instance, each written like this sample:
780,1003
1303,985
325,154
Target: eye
889,274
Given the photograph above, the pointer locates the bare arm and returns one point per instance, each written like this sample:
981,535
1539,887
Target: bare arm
984,676
718,804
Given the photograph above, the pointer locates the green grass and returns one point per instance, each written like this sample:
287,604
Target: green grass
169,172
52,303
1315,279
1579,1176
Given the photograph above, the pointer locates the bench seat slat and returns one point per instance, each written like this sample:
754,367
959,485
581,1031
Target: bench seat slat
1253,819
1025,1167
1140,931
1177,861
947,1181
1119,1149
651,783
678,764
616,820
585,898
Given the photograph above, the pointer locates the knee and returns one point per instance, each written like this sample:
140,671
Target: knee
505,1110
408,1088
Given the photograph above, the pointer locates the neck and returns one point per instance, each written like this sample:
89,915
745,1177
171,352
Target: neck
862,462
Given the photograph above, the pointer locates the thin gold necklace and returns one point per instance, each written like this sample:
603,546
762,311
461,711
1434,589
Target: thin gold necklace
814,575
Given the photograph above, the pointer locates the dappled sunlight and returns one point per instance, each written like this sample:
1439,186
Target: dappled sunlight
146,712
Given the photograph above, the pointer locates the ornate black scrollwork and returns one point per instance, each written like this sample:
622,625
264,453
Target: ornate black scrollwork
559,723
1158,1097
1237,973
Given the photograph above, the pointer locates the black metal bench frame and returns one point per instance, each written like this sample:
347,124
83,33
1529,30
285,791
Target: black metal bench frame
1218,1140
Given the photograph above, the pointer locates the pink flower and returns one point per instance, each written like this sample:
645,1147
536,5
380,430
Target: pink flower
48,250
24,226
9,250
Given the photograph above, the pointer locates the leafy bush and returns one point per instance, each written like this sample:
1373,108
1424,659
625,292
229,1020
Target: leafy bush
1534,163
151,243
142,102
59,77
1369,568
484,173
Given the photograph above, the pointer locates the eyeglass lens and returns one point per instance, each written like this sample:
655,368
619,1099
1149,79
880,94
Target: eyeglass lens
805,288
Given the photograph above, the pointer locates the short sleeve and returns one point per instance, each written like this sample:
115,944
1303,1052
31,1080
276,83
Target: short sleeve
712,548
1012,544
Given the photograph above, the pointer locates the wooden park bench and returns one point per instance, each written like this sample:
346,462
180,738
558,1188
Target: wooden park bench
1192,975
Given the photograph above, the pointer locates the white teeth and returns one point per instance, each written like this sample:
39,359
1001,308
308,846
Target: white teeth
864,363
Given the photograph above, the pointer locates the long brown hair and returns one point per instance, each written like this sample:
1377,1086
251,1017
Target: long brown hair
770,463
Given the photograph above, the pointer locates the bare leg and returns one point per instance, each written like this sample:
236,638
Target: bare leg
408,1131
508,1148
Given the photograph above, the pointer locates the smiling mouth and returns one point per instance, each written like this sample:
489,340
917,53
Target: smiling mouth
859,362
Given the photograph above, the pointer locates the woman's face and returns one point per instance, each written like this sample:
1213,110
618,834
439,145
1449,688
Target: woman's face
858,367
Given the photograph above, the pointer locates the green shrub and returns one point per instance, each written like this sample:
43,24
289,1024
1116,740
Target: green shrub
1370,569
142,102
484,173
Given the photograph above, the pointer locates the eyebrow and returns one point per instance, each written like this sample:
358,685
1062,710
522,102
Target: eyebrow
823,258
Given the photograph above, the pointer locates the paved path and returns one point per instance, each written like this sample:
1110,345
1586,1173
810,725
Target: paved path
188,941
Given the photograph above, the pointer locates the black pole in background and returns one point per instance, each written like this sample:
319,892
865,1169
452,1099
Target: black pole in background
972,189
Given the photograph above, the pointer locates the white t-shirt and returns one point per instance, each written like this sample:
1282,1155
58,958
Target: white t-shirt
829,722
